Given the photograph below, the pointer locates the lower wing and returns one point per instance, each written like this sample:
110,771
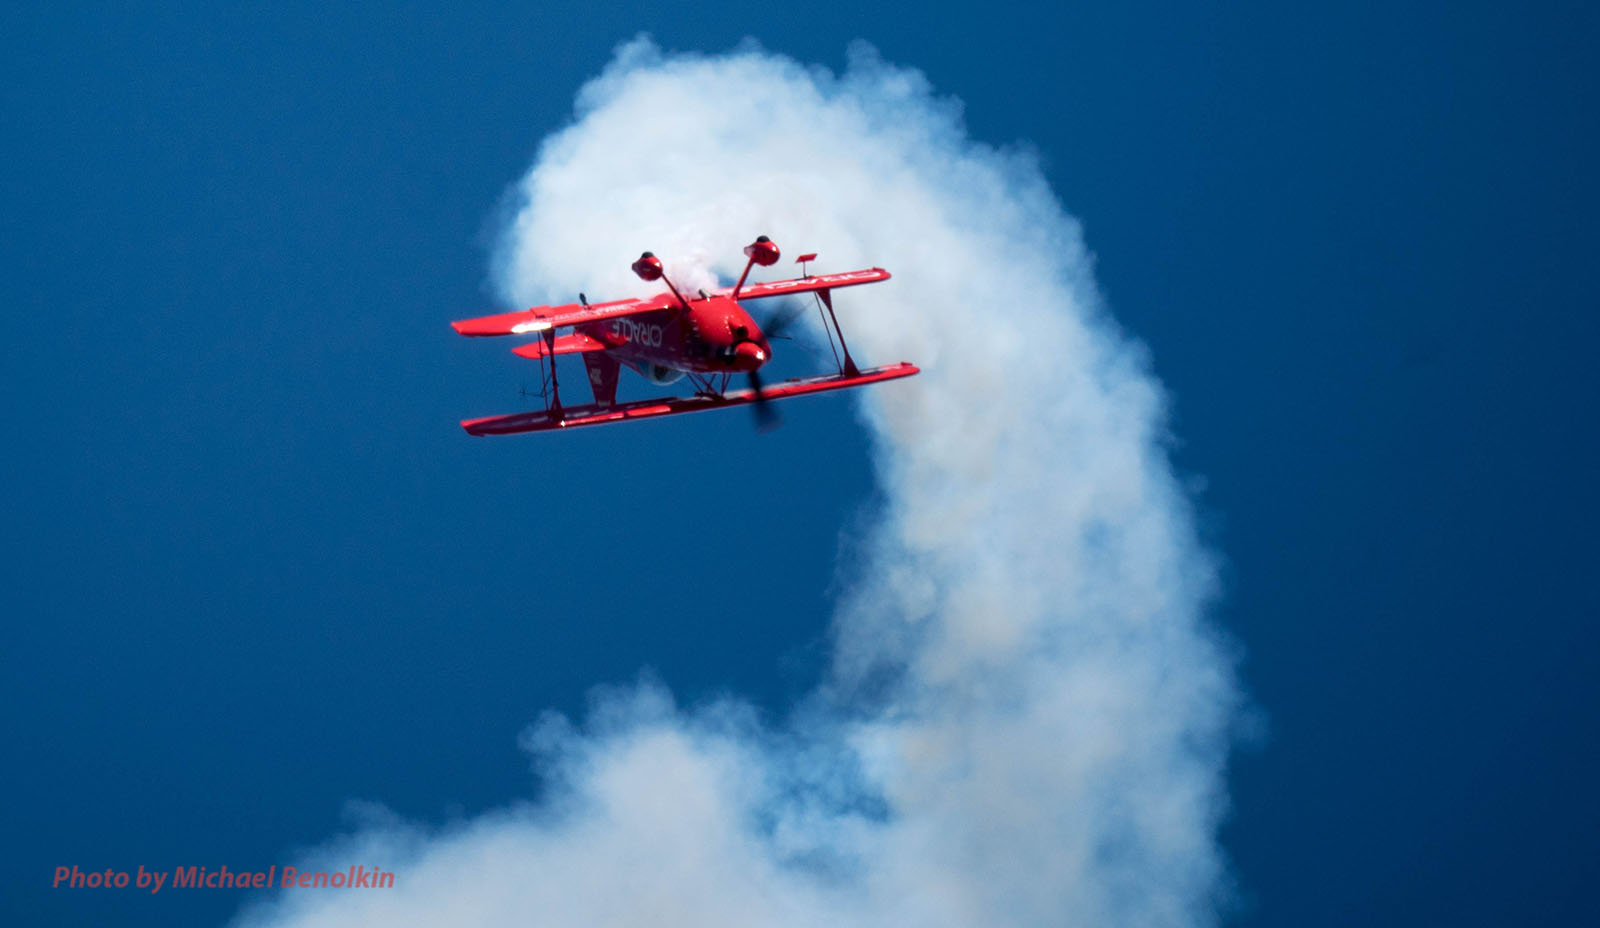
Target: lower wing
576,416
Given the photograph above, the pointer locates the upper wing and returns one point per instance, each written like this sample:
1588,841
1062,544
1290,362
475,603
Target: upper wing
540,318
869,275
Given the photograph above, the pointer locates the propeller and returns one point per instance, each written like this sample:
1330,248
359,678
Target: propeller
781,321
767,418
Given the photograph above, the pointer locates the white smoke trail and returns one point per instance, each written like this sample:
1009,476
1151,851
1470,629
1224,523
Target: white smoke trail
1027,718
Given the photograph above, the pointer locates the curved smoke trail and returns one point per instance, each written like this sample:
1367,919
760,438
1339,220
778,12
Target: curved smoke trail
1027,718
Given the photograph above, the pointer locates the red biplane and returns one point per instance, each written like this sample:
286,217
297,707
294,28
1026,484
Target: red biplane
667,337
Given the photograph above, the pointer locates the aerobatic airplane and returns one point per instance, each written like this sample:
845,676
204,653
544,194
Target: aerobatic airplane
707,338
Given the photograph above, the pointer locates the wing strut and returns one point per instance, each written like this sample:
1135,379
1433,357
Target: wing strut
761,251
649,269
849,368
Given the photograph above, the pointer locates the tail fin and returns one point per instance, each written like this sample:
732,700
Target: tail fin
603,374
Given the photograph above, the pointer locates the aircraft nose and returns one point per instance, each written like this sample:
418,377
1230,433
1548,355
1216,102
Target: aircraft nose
747,356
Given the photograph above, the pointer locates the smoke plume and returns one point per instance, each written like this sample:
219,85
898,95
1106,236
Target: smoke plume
1026,718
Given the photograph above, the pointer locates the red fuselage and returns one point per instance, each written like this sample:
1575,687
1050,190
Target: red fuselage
713,336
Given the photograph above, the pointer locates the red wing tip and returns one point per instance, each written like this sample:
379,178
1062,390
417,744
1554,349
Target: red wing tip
472,328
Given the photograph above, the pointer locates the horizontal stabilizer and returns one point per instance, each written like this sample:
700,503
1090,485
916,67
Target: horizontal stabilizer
539,318
575,343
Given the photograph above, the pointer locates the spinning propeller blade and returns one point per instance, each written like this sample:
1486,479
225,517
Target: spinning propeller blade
781,321
767,418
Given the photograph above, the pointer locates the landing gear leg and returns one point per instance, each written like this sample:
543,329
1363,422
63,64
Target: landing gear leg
555,388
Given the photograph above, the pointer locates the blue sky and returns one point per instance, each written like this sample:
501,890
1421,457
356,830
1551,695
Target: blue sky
254,570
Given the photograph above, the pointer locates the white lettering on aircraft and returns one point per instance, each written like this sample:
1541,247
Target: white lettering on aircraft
643,333
812,282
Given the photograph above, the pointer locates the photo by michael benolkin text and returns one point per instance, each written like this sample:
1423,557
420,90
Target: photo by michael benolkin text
357,877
